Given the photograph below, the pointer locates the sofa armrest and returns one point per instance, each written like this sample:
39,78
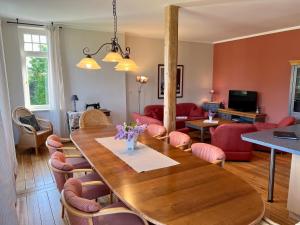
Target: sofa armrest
265,126
212,130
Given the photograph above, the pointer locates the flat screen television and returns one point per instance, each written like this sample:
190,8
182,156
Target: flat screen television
245,101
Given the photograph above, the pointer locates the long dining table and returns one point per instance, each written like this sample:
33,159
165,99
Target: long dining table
192,192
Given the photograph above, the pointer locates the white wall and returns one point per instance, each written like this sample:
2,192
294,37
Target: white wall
105,86
197,59
113,89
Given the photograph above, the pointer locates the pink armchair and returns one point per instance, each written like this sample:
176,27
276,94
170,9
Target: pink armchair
228,138
287,121
82,211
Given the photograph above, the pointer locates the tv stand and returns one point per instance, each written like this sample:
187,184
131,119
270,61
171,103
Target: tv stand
246,117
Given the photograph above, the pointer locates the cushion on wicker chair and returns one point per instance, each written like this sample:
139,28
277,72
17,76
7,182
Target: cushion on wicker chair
30,120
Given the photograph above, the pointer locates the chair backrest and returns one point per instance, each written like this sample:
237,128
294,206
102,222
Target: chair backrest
287,121
72,199
93,118
208,152
179,139
156,130
20,112
60,168
53,142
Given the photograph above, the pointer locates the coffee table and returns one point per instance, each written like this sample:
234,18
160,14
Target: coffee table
201,125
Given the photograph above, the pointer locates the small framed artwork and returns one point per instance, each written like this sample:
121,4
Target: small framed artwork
179,81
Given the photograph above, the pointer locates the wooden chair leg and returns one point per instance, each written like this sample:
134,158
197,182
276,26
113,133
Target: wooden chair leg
62,211
111,197
36,150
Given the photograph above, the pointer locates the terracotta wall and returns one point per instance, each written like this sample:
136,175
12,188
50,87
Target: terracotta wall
259,64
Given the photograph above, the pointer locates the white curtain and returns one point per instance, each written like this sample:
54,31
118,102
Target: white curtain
56,90
8,162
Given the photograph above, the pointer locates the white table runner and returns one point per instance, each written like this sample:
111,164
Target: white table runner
142,159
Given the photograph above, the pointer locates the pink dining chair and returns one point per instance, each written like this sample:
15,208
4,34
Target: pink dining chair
179,140
62,171
82,211
55,143
208,153
156,130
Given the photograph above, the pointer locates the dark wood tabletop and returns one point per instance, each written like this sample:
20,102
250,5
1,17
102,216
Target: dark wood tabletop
197,124
193,192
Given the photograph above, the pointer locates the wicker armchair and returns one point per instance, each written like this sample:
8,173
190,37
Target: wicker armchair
93,118
29,137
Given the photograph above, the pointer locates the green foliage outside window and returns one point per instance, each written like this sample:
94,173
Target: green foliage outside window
37,69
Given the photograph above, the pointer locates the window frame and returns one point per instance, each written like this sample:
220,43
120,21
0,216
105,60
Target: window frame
38,31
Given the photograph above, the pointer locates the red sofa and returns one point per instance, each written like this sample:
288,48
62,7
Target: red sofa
154,114
286,121
228,138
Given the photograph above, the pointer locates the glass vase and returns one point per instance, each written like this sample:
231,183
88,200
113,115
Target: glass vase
131,144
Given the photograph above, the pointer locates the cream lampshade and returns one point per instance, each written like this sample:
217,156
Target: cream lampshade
112,57
88,63
126,64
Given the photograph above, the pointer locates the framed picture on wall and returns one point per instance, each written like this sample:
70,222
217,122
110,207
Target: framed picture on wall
161,82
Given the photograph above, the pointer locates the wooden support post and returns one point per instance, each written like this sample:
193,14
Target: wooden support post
170,61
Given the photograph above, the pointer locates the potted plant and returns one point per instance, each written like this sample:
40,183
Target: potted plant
130,132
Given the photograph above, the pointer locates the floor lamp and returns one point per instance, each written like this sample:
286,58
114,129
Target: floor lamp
141,80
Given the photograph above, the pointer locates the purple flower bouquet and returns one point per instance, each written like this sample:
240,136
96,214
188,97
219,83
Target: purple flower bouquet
130,133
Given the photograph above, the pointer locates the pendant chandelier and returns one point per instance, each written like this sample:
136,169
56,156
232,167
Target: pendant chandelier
116,55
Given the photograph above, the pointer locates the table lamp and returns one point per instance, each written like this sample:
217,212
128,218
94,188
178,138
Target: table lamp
141,80
74,98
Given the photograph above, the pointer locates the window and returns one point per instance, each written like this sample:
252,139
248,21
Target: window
34,58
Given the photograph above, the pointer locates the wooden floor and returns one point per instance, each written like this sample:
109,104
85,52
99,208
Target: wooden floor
38,199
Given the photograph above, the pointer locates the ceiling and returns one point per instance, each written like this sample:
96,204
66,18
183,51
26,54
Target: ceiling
200,20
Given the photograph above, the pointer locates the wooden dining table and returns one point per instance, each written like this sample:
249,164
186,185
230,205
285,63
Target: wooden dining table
192,192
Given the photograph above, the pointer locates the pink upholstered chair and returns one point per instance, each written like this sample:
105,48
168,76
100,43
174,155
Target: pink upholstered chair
179,140
287,121
208,153
62,170
156,130
82,211
228,138
54,144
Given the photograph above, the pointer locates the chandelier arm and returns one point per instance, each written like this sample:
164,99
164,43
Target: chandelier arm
123,54
86,50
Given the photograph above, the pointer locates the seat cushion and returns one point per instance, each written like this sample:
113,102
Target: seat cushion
30,120
119,218
93,191
78,163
